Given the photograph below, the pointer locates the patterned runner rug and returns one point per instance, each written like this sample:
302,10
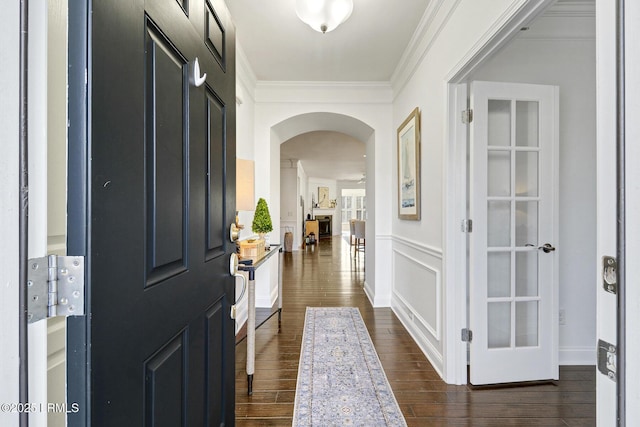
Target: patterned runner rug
340,378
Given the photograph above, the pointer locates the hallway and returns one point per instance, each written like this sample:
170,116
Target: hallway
329,275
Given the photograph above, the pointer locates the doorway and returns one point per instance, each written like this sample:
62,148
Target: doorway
539,55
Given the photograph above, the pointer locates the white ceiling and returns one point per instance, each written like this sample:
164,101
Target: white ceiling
367,47
323,154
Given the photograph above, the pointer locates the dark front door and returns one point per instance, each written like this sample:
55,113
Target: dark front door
157,345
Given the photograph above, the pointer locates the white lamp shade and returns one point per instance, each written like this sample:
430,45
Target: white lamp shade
324,15
245,200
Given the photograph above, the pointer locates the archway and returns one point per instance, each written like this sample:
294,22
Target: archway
342,123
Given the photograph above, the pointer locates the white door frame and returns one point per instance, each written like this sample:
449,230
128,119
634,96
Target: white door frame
606,193
456,184
9,193
632,132
9,215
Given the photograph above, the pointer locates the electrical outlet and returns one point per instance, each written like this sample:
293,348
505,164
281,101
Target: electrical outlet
562,317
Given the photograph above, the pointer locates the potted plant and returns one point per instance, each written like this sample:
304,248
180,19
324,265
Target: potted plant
261,219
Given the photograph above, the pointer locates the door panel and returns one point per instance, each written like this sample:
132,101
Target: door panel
215,128
513,191
159,341
166,144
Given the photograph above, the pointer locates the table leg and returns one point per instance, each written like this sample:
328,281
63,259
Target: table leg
280,263
251,332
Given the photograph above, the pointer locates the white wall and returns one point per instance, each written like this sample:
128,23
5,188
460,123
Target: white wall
289,201
9,77
449,36
314,183
245,117
570,64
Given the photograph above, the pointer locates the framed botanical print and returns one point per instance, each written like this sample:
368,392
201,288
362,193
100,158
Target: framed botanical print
409,167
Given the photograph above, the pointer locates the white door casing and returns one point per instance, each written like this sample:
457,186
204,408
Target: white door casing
514,206
632,203
606,195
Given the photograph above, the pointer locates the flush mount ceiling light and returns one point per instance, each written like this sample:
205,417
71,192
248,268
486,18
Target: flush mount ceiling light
324,15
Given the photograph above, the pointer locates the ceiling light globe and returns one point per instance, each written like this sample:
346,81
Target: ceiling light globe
324,15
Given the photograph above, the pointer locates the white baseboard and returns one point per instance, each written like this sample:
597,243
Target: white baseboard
432,354
577,356
369,293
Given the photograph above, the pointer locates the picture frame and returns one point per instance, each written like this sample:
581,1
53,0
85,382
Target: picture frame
323,197
409,167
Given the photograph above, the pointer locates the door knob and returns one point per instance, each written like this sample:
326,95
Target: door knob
546,248
234,233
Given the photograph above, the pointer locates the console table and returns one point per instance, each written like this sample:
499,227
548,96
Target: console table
250,265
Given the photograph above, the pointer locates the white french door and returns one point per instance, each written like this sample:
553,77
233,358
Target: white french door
513,262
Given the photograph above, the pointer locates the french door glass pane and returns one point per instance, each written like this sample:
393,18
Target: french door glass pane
526,223
499,173
499,223
499,324
527,173
527,123
498,274
499,123
526,323
527,274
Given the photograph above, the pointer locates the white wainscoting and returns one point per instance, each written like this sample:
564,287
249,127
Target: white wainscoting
417,297
421,284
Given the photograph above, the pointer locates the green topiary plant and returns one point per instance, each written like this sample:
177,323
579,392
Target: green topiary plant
262,220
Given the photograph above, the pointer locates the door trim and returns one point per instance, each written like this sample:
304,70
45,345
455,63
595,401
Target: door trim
621,339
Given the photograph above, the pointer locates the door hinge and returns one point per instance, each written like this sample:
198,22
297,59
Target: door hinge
610,274
607,359
55,287
467,116
466,335
467,225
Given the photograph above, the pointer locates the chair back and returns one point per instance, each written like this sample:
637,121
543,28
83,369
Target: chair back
359,229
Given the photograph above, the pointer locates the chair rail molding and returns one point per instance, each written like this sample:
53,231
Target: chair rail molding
414,244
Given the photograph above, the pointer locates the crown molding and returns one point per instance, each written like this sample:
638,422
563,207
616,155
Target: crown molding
423,38
324,92
572,9
244,73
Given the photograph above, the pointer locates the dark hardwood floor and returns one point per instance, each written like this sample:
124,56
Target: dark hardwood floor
328,275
